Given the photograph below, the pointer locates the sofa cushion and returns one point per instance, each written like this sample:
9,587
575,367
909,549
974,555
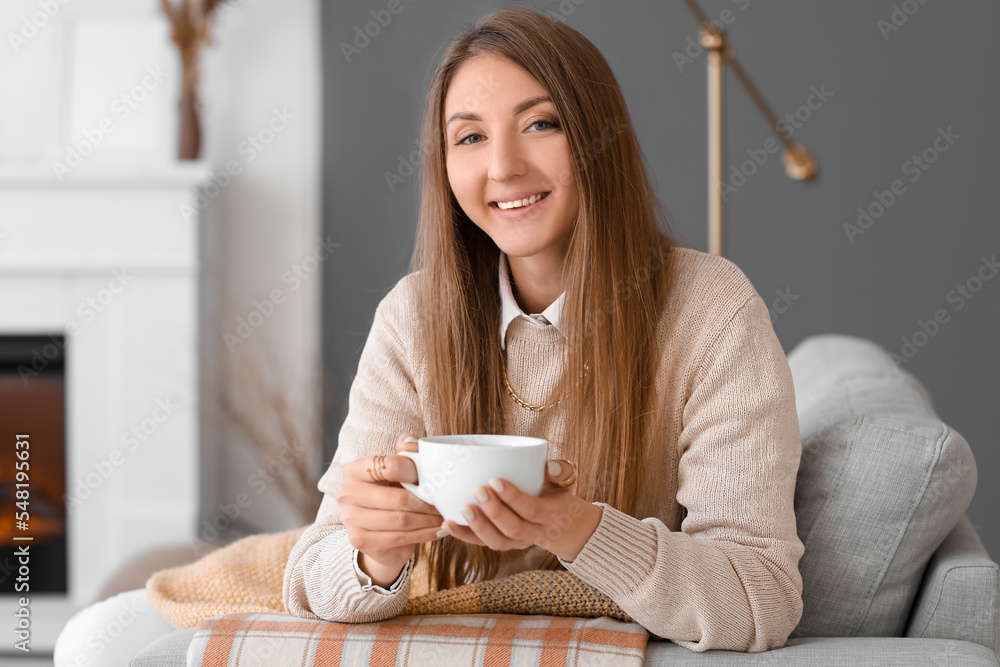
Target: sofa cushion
874,498
837,377
170,650
831,652
881,483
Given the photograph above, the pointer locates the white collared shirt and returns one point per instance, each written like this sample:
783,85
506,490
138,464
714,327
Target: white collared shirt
511,310
509,313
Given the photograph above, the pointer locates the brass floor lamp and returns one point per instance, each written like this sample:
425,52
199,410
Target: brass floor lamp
799,163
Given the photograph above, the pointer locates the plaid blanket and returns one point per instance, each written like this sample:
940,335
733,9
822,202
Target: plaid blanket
277,640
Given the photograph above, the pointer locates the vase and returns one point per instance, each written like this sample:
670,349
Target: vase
190,129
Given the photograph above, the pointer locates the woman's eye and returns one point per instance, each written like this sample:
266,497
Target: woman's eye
465,139
549,123
477,138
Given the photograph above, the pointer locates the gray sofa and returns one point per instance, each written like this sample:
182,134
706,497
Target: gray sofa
893,572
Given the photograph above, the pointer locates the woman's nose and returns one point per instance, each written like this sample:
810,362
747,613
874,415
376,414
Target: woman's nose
506,160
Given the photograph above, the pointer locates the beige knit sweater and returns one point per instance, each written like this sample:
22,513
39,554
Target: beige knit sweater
711,559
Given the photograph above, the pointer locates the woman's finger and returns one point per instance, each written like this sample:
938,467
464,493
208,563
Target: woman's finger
560,471
397,520
396,538
506,521
526,507
389,498
486,531
406,443
463,533
392,468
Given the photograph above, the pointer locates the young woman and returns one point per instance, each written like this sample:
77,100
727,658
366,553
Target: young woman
545,300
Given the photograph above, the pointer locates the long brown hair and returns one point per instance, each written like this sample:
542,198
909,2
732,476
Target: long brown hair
615,288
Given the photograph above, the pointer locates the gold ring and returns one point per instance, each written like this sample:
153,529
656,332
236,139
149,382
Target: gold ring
378,466
570,479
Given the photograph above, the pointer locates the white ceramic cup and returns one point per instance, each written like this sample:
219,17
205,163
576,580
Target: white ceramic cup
451,467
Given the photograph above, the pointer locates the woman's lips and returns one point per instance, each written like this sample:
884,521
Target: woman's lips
520,211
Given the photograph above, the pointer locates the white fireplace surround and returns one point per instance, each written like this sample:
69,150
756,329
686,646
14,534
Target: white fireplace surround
108,260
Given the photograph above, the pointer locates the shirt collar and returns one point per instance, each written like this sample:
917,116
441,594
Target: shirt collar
511,310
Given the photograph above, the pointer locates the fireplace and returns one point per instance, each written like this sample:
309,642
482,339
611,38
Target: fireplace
33,463
99,285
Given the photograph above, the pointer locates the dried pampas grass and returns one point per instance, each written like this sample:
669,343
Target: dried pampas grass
250,398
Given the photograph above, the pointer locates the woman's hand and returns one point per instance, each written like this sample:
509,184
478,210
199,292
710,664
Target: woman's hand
384,521
559,521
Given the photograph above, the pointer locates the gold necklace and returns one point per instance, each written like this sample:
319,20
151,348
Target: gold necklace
520,401
503,361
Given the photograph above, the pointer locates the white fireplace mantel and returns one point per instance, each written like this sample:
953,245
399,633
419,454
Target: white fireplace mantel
110,259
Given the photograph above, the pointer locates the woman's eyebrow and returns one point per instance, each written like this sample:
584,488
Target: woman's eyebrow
520,108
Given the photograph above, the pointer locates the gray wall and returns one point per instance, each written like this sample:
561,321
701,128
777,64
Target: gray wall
891,92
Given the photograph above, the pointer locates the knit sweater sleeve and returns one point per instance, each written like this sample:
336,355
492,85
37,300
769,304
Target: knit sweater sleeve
320,580
729,579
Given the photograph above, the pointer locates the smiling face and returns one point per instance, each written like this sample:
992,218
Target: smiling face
508,160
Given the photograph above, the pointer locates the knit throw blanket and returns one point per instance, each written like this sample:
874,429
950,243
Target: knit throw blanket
246,576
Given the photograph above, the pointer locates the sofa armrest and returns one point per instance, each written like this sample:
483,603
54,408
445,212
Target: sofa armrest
958,597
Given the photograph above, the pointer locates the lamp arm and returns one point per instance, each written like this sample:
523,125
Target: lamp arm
799,163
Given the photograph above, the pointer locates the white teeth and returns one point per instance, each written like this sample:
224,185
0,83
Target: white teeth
518,203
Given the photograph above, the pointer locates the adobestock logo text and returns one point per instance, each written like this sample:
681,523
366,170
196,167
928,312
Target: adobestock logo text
30,27
122,108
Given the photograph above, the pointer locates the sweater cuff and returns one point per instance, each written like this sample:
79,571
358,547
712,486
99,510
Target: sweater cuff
619,556
333,591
